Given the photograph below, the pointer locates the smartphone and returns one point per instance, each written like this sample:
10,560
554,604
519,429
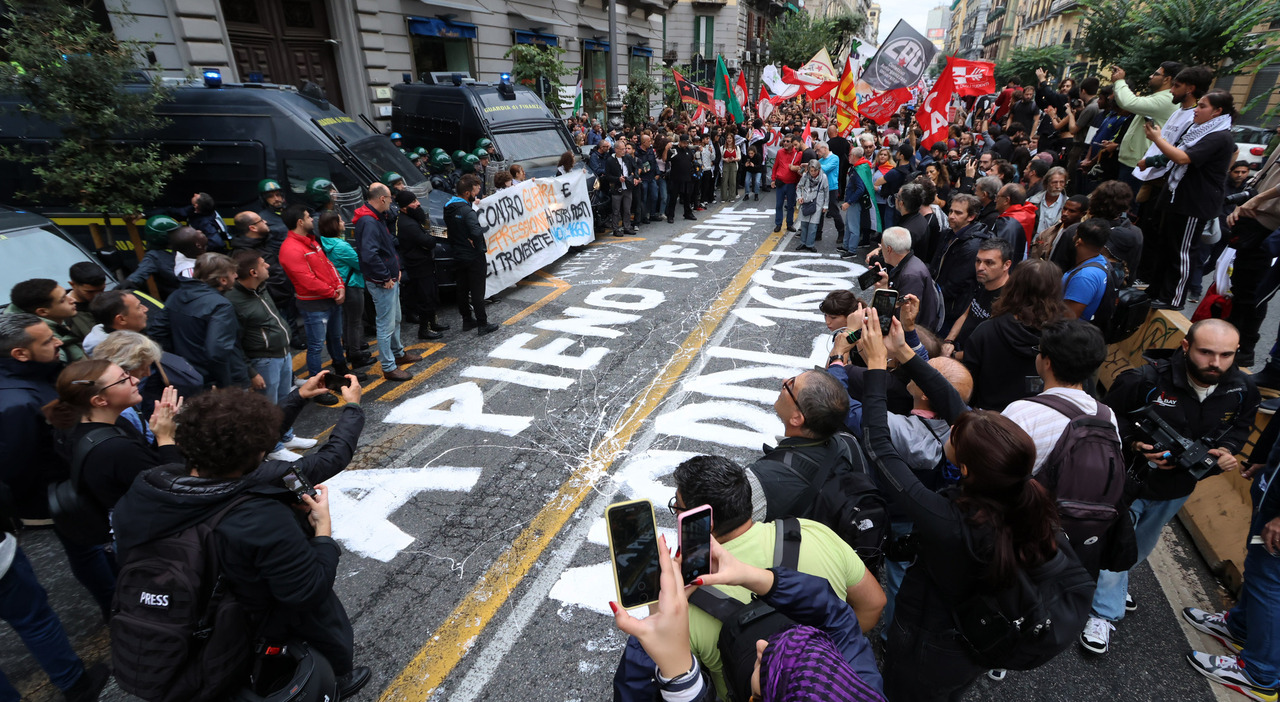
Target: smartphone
1148,120
335,382
695,543
633,547
867,280
298,484
884,302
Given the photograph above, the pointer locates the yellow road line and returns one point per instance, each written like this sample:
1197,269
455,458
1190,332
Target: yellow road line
427,348
560,288
445,647
418,377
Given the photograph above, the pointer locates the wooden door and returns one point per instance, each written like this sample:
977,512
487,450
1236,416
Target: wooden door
285,41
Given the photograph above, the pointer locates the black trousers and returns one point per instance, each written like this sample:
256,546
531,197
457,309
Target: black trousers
1251,264
422,282
470,277
1179,233
682,191
834,212
925,667
353,321
326,628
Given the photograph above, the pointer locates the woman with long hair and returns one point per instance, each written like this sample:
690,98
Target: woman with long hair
92,394
971,540
1001,352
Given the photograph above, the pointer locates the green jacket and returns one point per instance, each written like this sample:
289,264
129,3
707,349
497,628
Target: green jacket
1158,107
344,259
70,351
263,331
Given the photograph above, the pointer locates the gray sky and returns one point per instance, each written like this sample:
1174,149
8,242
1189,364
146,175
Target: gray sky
915,12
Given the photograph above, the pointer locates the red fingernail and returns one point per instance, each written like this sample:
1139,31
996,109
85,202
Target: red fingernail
677,551
698,581
613,606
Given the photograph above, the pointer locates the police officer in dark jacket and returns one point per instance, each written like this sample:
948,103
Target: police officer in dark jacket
680,179
417,250
203,327
466,240
1201,393
279,564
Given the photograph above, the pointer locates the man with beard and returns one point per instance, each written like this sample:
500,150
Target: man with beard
1201,393
991,270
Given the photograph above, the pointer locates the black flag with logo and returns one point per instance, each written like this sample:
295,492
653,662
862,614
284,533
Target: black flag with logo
900,60
691,93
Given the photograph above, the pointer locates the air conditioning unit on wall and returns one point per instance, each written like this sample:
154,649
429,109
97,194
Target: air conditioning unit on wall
733,64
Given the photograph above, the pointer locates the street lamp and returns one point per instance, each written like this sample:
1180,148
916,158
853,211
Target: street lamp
613,105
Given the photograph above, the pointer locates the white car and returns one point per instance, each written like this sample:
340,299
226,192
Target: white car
1252,143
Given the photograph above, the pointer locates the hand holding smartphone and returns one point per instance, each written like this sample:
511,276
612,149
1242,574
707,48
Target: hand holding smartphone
295,481
885,302
695,543
633,548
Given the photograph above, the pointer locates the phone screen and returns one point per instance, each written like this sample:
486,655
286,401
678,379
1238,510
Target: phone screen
868,279
298,484
884,302
695,543
633,543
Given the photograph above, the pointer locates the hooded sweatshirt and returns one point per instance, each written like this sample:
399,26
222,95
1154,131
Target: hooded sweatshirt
379,261
1001,356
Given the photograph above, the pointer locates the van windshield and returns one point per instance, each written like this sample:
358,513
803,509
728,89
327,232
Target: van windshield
37,252
380,155
528,145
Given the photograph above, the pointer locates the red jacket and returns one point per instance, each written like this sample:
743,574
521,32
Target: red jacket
781,167
312,275
1024,214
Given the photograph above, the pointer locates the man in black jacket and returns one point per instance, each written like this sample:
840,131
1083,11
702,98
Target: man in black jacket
278,564
380,265
623,181
952,266
203,327
466,239
1201,393
680,179
417,250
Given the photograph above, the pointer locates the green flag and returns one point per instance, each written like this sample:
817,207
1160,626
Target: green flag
577,96
724,91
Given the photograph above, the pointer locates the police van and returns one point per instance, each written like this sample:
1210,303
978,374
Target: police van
452,111
244,133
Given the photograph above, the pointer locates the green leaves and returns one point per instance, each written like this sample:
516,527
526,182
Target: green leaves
73,74
796,36
1023,62
635,103
529,62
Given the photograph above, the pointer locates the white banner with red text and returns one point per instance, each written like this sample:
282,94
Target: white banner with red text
532,224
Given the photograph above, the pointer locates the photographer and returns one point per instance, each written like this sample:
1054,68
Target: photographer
1200,393
276,555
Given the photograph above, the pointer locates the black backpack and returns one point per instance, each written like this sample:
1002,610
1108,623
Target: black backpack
76,513
745,623
177,634
1027,624
1122,310
843,496
1086,473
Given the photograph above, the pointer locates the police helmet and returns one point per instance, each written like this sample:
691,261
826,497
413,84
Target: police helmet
441,162
458,157
480,153
157,230
296,674
419,152
390,178
484,143
319,192
268,185
470,161
437,150
395,136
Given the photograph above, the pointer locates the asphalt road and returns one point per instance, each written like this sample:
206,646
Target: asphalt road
475,564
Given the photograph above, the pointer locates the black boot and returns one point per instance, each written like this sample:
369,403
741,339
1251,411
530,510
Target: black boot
350,684
437,325
426,332
89,685
342,371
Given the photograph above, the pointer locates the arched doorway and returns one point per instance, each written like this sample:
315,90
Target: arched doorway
283,41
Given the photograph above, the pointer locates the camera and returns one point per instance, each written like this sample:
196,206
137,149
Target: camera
1190,455
1241,197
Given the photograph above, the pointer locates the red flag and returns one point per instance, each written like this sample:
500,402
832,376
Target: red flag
971,77
933,111
811,89
691,93
881,107
806,138
766,103
740,91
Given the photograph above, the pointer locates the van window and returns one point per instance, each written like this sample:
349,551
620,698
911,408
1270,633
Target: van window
299,171
380,155
228,171
18,181
522,146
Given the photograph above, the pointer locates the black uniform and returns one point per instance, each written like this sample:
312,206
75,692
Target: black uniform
466,240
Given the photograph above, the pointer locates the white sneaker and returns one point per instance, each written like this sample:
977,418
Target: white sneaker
299,382
997,674
1096,637
298,442
283,454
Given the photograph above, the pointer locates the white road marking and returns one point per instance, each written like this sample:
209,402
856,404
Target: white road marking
361,503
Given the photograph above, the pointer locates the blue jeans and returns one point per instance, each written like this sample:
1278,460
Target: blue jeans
324,328
1259,602
95,568
660,187
784,197
277,373
386,305
809,233
1149,518
25,605
649,199
853,226
752,183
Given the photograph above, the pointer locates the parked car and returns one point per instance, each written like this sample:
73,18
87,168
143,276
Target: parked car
1252,143
31,246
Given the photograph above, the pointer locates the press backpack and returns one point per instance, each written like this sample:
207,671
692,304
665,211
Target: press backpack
177,634
843,496
1027,624
1086,472
745,623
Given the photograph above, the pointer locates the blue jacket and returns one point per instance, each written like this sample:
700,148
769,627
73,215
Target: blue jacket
806,599
379,261
204,330
26,439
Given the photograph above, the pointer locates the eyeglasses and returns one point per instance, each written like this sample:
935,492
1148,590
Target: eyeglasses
786,385
674,506
106,387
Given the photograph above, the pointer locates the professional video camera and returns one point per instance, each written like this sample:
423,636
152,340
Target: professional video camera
1241,197
1186,454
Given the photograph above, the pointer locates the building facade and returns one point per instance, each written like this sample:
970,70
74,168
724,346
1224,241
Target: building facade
356,49
967,26
873,23
1003,25
937,25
